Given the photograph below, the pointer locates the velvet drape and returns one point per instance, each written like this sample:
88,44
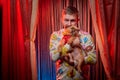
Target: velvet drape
26,29
49,21
105,19
15,58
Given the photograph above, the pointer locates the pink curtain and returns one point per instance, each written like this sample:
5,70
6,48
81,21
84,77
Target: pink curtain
105,18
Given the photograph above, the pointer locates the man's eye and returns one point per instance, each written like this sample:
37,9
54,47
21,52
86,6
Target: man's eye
66,20
72,20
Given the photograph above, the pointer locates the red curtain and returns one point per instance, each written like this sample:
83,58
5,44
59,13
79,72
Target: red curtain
15,40
105,18
19,24
49,21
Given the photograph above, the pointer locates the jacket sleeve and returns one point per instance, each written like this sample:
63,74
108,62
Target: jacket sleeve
89,49
53,46
54,54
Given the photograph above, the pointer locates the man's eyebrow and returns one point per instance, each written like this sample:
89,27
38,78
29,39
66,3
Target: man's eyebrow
66,19
73,19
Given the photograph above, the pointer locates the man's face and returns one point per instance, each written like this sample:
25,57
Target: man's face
69,20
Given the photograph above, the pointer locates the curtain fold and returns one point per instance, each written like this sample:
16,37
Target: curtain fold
49,21
26,29
33,26
105,18
15,40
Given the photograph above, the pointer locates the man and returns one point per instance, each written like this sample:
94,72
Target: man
65,69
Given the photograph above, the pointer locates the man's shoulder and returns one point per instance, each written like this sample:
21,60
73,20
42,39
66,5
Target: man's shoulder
85,37
84,33
59,32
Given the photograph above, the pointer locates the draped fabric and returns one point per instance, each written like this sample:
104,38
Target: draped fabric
33,26
28,24
16,20
105,17
49,21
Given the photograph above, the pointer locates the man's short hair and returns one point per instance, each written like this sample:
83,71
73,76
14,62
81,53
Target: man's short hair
70,10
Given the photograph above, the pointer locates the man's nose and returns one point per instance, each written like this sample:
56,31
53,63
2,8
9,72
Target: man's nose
69,23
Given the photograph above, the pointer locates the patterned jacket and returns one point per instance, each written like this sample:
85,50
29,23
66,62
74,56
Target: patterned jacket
63,69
